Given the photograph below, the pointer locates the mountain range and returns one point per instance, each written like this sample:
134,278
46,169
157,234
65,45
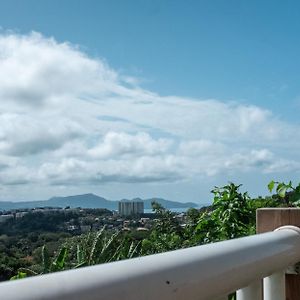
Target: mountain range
89,201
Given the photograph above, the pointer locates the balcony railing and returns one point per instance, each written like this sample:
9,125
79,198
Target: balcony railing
206,272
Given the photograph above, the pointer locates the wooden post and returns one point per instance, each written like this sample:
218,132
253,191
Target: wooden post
268,219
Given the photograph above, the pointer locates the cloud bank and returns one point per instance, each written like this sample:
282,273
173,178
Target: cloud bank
69,119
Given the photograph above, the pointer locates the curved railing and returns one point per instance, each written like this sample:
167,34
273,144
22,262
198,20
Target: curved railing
204,273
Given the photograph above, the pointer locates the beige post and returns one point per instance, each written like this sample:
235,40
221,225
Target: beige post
268,219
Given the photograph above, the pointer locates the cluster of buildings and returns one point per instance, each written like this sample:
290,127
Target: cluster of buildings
130,216
12,215
20,213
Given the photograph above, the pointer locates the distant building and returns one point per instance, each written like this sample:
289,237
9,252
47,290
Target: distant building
85,228
21,214
128,208
4,218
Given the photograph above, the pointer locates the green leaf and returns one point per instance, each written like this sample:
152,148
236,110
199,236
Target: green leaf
96,240
271,185
79,255
282,191
20,275
46,260
133,249
59,262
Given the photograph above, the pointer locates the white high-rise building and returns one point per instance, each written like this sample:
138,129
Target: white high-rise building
127,208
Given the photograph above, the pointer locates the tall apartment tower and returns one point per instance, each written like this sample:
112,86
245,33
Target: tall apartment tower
127,208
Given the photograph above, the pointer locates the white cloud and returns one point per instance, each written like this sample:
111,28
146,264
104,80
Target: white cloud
252,159
203,147
120,143
22,135
36,71
69,119
141,169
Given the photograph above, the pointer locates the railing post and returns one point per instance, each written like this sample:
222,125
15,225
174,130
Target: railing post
274,286
251,292
268,219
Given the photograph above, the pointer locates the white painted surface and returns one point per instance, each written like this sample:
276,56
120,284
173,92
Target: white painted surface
274,286
198,273
251,292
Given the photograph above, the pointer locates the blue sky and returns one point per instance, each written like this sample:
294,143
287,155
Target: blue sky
240,50
235,59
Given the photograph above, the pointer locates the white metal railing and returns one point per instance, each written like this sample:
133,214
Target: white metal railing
206,272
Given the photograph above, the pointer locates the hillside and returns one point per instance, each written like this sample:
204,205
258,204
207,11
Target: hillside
88,201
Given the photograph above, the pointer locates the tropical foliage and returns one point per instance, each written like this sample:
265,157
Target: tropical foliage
231,215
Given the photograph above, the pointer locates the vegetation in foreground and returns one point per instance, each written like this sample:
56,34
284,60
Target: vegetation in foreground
231,215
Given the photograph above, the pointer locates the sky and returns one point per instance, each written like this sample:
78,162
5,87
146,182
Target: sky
147,99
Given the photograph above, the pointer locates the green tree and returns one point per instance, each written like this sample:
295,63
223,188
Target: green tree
286,194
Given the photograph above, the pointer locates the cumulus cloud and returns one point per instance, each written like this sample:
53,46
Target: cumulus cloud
22,135
116,144
36,71
68,119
